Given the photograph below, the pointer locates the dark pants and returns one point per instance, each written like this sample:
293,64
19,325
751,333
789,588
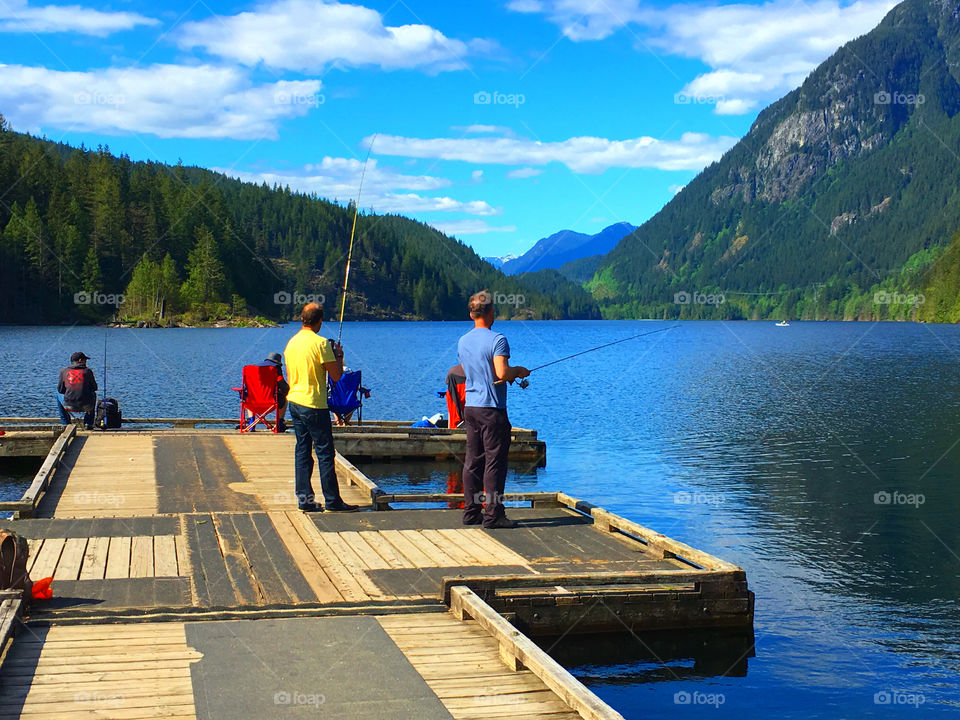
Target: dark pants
314,432
87,410
485,467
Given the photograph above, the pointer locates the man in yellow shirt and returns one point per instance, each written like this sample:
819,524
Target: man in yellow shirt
310,358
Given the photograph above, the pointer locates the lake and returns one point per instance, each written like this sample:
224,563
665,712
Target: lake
823,458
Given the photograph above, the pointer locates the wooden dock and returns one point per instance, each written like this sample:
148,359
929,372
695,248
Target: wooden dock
186,584
373,440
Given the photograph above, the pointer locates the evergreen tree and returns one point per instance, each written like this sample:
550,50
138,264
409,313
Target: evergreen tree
206,280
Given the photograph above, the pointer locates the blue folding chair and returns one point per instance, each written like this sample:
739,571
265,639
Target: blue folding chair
347,395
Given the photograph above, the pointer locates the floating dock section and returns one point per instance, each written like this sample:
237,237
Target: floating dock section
186,584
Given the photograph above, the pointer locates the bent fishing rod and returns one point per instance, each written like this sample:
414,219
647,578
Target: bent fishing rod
524,383
353,232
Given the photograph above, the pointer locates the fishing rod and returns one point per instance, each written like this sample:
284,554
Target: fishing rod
524,383
353,231
104,362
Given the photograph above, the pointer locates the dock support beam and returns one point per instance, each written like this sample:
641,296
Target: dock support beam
518,652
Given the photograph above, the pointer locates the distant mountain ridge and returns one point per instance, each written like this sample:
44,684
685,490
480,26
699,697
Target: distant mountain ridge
843,191
498,261
567,246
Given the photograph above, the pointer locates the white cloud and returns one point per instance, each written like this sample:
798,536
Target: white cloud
339,179
525,6
482,130
583,19
527,172
674,189
692,151
18,16
759,52
755,53
476,176
309,35
164,100
471,227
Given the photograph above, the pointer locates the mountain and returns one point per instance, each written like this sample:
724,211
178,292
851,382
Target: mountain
580,271
498,262
565,246
843,194
86,236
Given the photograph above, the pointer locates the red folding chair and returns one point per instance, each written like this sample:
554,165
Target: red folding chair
258,394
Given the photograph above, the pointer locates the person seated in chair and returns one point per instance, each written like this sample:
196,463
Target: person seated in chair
77,391
275,360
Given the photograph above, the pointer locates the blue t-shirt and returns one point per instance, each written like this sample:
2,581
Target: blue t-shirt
476,351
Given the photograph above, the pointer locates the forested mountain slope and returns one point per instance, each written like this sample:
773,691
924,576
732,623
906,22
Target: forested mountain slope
79,228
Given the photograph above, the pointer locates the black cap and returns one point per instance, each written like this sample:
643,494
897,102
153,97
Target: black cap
275,358
78,356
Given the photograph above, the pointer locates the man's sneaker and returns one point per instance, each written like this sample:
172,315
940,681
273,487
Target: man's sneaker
311,507
341,507
501,522
473,521
281,426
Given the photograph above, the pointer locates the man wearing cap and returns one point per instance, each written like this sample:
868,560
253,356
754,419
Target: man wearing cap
310,358
485,357
77,390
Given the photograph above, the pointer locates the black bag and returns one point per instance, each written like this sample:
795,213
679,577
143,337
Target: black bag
109,416
13,564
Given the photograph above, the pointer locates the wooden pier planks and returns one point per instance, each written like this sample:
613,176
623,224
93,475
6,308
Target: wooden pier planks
105,558
103,476
338,565
250,559
194,474
266,461
461,663
95,671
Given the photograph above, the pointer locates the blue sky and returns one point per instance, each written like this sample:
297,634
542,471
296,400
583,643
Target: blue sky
499,122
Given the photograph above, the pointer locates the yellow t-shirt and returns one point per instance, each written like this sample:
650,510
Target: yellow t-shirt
304,357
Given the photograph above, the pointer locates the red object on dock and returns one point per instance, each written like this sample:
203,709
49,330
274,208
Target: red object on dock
42,590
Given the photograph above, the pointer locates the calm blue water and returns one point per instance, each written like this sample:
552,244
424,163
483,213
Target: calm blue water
764,445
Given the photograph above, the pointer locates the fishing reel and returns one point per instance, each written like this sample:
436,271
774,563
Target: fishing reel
523,384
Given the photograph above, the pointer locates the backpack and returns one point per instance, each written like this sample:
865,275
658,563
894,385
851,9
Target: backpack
109,416
13,564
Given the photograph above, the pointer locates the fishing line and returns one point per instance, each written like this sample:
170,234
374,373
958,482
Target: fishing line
353,231
524,384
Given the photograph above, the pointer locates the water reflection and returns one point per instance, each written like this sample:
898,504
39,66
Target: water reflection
629,659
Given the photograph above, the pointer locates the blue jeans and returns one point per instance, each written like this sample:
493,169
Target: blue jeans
314,432
87,411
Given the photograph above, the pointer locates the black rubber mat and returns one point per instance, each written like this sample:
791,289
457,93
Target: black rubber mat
339,667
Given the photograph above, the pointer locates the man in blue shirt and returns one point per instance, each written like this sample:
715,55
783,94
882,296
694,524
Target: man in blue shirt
485,356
